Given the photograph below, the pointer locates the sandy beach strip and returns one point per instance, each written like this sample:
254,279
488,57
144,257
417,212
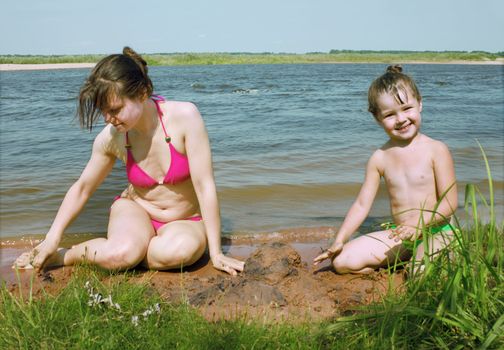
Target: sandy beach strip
44,66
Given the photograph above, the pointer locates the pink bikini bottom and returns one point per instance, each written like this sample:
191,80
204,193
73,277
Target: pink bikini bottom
157,224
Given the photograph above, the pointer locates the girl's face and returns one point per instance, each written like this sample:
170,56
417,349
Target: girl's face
123,113
401,121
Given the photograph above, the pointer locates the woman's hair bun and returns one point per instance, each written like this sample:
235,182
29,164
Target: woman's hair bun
396,68
128,51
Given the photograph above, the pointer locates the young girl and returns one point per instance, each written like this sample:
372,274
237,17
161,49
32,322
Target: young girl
169,212
418,172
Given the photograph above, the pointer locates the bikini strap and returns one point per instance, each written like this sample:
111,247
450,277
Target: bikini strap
157,99
127,144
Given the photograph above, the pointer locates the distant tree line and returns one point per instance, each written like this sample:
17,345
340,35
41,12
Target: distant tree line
499,54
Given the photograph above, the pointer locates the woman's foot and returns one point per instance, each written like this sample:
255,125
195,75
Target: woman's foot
25,260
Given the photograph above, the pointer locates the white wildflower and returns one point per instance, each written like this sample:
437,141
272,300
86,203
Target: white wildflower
97,299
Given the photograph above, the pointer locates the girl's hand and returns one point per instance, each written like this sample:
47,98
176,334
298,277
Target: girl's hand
36,257
405,233
227,264
329,253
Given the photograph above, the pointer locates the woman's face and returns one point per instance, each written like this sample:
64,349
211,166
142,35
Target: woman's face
123,113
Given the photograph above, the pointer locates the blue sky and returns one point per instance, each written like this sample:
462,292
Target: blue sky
297,26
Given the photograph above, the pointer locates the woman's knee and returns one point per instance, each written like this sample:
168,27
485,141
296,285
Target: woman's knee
185,249
123,256
180,250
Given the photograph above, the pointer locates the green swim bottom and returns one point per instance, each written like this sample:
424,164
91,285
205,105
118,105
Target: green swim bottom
413,244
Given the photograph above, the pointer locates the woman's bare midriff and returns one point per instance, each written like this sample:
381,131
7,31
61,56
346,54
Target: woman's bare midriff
166,203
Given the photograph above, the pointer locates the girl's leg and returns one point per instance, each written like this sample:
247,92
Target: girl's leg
435,244
128,236
178,243
366,253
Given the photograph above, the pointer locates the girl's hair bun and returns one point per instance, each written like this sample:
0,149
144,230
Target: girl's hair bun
396,68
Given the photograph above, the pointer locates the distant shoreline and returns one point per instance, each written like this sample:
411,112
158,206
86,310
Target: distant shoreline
50,66
44,66
35,62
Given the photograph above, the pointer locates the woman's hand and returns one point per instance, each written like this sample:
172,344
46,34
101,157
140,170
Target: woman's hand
405,233
37,257
330,253
227,264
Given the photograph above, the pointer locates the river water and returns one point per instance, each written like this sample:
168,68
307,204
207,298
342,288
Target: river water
289,142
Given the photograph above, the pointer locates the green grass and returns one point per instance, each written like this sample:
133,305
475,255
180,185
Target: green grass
67,321
334,56
456,303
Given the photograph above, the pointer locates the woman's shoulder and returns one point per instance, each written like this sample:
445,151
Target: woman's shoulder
110,141
182,109
107,134
183,114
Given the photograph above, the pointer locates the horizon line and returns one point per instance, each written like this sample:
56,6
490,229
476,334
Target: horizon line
332,51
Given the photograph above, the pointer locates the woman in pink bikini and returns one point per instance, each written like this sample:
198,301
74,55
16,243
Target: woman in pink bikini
169,212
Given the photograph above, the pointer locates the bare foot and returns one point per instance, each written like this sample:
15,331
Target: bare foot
25,260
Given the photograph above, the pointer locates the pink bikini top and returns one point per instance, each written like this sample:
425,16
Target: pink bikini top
179,165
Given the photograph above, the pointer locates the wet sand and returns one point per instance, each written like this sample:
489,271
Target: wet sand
279,281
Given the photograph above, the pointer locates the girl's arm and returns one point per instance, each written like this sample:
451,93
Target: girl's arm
359,209
200,163
362,205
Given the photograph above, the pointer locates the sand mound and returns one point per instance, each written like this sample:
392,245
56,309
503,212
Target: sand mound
277,284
